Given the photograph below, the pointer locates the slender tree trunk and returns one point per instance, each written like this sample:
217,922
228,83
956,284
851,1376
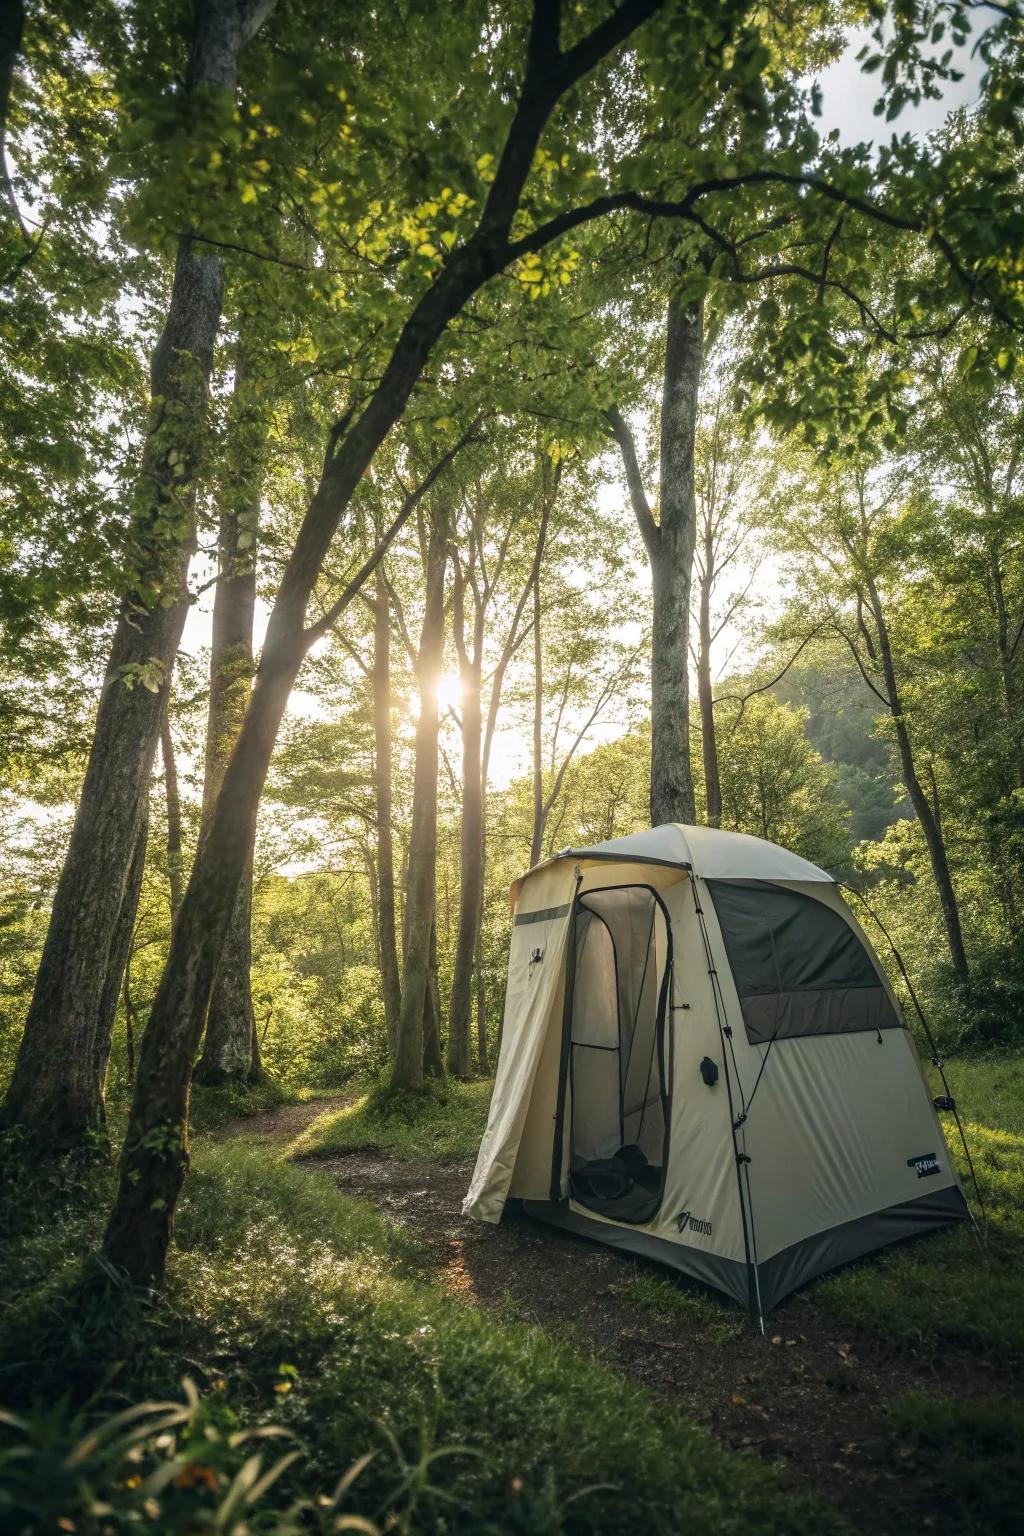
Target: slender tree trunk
433,1059
387,926
471,848
54,1094
173,799
421,894
537,841
934,840
230,1048
705,693
120,949
482,1061
672,797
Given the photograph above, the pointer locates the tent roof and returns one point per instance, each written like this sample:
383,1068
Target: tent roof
712,854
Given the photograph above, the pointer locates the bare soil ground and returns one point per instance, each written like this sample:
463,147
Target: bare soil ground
809,1394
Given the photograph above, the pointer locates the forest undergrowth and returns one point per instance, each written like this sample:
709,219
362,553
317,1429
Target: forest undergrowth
292,1308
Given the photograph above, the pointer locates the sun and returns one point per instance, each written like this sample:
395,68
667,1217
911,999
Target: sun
449,691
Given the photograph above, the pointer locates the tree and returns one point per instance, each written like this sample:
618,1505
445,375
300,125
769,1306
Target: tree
383,794
420,947
56,1093
775,785
231,1044
478,581
435,289
852,537
669,542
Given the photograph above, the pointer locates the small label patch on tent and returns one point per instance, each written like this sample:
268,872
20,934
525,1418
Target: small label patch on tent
686,1221
925,1164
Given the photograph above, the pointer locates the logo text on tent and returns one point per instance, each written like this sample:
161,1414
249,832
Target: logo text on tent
925,1164
695,1223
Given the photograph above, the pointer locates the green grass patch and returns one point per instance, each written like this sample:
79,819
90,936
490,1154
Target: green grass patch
210,1107
943,1291
970,1456
989,1090
711,1318
439,1122
290,1304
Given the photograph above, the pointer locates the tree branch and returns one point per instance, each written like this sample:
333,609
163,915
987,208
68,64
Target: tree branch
370,564
649,530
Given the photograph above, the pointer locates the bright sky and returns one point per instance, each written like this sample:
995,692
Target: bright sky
847,100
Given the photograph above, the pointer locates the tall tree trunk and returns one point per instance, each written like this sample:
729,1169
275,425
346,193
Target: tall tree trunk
391,984
55,1095
154,1160
482,1061
173,800
433,1058
230,1048
705,693
670,545
930,827
471,846
120,949
537,840
421,893
672,797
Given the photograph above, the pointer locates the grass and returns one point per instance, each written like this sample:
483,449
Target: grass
970,1455
213,1107
711,1321
441,1121
291,1304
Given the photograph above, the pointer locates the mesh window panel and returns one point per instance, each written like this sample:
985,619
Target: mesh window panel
799,968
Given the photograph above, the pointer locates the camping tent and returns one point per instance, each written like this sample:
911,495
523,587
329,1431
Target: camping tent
702,1061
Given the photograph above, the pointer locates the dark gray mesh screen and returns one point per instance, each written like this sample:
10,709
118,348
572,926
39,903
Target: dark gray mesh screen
618,1120
799,968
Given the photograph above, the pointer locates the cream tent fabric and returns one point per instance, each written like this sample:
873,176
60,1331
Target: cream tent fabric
702,1061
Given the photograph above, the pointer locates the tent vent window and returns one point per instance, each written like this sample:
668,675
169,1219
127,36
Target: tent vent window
617,1076
799,967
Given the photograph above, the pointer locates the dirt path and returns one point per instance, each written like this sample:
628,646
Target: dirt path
806,1395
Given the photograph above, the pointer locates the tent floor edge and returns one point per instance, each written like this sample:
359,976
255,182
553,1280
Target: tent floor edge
729,1276
784,1272
834,1248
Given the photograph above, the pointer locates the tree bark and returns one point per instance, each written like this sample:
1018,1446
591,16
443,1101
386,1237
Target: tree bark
471,845
433,1059
120,949
670,546
421,894
930,827
705,692
230,1048
672,797
173,800
55,1095
391,984
482,1061
155,1156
